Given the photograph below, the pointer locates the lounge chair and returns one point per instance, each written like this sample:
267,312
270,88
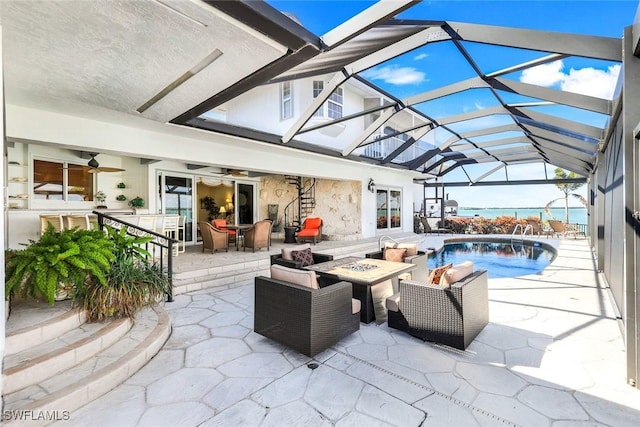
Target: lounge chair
429,229
311,229
537,229
561,229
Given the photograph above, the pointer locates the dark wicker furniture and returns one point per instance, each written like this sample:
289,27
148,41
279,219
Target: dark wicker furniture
317,258
307,320
361,286
451,316
420,274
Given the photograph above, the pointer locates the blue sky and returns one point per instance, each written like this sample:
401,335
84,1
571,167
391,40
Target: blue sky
421,69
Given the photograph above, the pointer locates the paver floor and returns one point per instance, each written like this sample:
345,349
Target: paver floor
552,355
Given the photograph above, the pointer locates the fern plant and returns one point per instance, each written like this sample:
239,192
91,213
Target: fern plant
67,257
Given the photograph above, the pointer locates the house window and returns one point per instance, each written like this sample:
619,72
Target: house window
62,181
286,101
333,107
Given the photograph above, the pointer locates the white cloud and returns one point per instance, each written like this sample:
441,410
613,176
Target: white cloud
544,75
420,56
587,81
591,81
396,75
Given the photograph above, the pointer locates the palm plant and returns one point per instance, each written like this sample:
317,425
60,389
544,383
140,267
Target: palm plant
67,258
568,190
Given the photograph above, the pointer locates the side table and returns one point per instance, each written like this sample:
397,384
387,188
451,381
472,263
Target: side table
290,234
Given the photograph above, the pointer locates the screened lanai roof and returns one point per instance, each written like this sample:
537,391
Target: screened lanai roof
501,119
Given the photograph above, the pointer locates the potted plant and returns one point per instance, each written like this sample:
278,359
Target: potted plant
209,204
101,197
131,283
60,260
136,202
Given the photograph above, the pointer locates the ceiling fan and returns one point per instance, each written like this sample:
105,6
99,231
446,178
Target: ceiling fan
94,166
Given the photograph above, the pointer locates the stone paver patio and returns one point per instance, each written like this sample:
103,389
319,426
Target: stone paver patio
552,355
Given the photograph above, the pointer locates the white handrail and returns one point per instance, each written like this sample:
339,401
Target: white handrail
387,238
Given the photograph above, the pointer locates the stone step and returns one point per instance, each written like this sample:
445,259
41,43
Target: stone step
36,364
206,280
45,328
87,381
225,275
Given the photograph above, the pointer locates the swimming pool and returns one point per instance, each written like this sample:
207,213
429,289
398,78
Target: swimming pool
499,258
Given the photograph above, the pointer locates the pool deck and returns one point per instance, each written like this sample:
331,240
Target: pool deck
552,355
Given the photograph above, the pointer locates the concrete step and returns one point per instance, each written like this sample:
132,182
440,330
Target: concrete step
36,364
24,335
86,381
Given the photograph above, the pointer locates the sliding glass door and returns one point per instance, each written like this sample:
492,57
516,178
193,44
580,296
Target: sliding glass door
175,197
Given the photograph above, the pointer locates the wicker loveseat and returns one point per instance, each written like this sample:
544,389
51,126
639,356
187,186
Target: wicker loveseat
307,319
452,316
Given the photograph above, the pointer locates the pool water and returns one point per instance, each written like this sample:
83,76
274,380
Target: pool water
500,259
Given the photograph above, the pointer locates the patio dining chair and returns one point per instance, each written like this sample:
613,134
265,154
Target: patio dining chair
54,220
258,236
77,221
428,229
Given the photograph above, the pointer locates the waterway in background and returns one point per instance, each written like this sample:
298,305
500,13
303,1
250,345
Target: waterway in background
576,215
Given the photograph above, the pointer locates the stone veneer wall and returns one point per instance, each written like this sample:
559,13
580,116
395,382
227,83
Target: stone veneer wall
338,203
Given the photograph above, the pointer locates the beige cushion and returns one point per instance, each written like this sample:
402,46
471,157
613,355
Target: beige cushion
286,252
436,274
293,275
404,276
456,273
395,255
356,305
412,248
393,302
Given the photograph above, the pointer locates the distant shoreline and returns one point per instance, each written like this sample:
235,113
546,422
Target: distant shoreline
531,207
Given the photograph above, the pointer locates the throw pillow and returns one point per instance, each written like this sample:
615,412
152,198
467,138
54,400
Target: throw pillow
293,275
412,248
304,257
286,252
395,255
436,274
456,273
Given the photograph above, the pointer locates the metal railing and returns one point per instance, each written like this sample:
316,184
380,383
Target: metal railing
160,244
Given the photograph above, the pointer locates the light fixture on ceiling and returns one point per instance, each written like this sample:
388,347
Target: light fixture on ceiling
204,63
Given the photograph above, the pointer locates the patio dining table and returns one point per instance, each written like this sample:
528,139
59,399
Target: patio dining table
366,276
240,229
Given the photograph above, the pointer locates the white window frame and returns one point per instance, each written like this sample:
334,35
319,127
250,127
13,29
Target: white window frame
336,100
64,164
286,100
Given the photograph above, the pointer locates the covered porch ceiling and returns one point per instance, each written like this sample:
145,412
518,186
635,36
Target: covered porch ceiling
173,61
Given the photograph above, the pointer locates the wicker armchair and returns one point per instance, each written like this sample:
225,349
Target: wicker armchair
305,319
317,258
212,238
451,316
420,274
258,236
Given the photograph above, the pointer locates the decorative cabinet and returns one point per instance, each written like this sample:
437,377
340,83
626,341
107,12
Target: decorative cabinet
17,186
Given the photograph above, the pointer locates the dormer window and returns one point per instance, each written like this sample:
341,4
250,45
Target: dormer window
333,107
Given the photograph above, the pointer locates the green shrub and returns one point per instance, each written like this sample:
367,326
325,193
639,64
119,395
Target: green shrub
65,258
